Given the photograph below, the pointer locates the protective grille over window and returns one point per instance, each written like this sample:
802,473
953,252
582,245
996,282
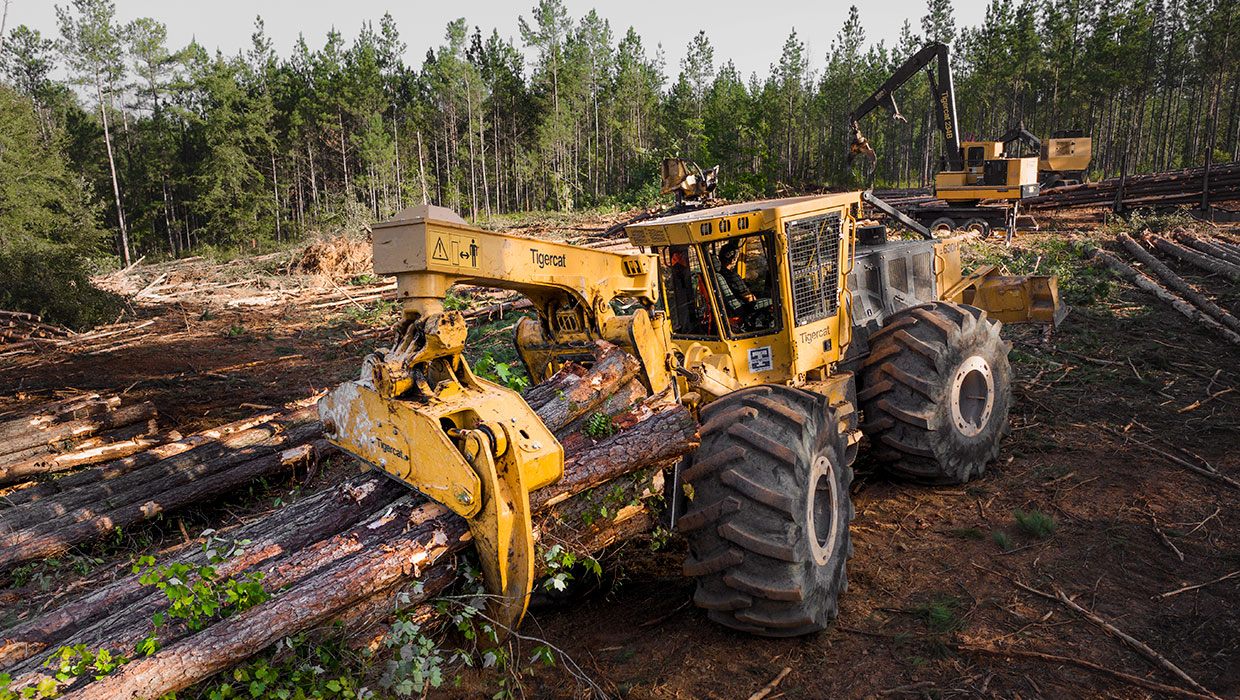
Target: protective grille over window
814,257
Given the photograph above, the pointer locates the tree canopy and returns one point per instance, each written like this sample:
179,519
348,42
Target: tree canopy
189,148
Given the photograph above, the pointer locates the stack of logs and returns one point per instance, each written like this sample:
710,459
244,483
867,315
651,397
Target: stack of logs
1212,255
352,552
75,432
16,326
1172,187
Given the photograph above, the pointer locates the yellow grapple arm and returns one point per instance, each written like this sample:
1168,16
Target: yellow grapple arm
418,412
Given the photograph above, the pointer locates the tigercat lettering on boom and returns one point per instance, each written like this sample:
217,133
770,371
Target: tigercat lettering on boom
948,126
544,260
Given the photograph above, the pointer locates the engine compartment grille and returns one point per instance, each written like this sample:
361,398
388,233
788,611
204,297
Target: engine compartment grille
814,261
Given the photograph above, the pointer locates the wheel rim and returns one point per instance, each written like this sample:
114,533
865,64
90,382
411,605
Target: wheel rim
972,396
822,519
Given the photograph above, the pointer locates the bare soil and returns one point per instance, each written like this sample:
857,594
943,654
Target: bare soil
936,571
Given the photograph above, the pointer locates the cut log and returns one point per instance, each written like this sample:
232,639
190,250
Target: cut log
185,467
612,369
1192,257
174,491
1207,248
673,429
315,599
620,401
104,614
1178,284
56,411
121,467
116,446
80,428
1148,285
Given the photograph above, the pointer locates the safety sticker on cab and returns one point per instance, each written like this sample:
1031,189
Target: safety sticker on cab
760,360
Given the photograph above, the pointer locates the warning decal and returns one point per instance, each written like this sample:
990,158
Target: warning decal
454,250
440,253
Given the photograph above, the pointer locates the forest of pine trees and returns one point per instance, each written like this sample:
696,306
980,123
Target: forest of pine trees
179,148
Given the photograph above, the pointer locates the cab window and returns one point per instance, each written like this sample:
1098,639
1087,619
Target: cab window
976,156
744,283
684,287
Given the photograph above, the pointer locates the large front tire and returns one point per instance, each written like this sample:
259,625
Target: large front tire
768,521
935,392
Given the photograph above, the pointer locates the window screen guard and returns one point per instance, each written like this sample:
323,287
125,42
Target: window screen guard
813,258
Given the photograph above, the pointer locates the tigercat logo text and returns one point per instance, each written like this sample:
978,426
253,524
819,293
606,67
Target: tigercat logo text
544,260
811,336
391,450
948,126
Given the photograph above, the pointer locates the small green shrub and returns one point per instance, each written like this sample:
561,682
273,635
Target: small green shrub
1000,538
600,425
1035,523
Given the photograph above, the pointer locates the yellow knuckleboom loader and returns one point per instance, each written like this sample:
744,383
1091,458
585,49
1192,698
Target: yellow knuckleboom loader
791,329
972,171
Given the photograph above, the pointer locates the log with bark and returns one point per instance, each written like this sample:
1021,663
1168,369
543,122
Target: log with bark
51,526
1148,285
1206,247
354,572
1178,284
24,445
1192,257
119,467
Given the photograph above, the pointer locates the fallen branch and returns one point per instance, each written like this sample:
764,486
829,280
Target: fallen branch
1134,643
1081,663
1186,589
1182,462
770,687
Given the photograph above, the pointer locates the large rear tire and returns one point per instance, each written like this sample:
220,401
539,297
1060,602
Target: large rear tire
935,392
768,521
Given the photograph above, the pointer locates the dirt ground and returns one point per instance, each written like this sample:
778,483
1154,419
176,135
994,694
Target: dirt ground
939,603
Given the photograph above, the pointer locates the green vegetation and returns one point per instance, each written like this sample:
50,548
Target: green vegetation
198,593
600,425
49,241
1001,539
1035,523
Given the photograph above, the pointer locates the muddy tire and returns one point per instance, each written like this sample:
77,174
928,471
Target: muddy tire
767,525
935,393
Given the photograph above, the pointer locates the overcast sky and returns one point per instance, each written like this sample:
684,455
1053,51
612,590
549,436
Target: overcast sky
750,33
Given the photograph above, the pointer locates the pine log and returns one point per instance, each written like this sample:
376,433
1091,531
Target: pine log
56,411
612,369
105,613
1148,285
616,403
116,445
570,373
1178,284
80,428
192,465
1205,262
1206,247
671,428
315,599
123,466
172,492
1226,244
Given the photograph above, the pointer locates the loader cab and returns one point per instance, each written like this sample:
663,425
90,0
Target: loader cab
754,289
